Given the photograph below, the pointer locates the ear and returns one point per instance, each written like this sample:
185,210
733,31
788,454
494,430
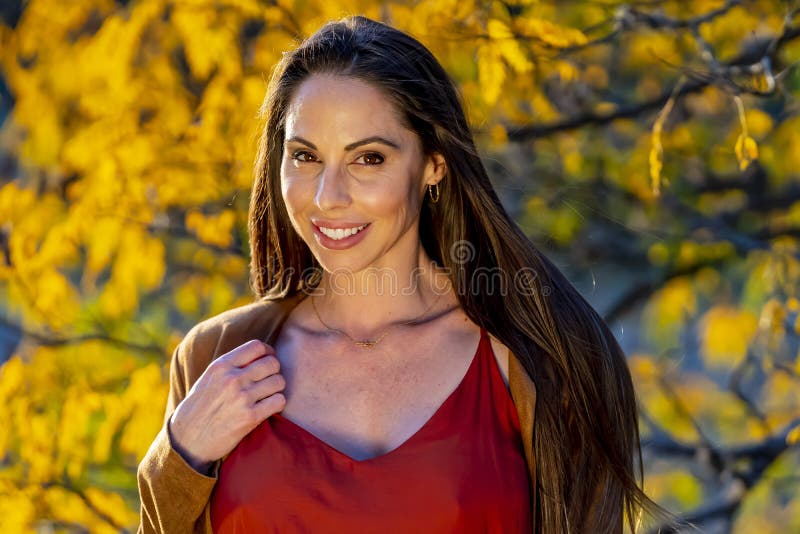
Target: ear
435,169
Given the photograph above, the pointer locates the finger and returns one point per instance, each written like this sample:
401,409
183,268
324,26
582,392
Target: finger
262,367
247,352
268,406
266,387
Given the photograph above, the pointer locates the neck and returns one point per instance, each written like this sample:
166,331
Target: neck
365,303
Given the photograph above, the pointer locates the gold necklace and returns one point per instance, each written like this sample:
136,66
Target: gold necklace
367,344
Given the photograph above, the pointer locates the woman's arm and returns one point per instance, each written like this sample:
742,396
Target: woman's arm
173,494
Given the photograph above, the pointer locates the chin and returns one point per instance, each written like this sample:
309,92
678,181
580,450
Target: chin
333,262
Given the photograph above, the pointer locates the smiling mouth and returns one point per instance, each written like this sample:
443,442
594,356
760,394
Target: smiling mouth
340,233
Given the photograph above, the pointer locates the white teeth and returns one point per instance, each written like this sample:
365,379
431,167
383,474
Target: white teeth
341,233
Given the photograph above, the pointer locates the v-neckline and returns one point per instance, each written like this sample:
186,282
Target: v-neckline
408,441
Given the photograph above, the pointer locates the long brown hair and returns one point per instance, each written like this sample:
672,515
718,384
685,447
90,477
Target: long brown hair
586,429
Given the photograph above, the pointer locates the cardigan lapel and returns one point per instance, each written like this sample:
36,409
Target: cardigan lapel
523,393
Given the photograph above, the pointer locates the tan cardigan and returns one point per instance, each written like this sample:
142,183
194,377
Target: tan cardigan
175,498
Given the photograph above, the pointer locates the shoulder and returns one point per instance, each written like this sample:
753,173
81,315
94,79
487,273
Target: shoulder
235,320
221,333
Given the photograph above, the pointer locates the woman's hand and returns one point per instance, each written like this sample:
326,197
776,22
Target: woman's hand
236,392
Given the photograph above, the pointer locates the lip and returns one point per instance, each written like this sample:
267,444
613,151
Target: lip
336,224
338,244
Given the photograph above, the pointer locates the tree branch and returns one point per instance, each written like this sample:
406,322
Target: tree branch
754,55
51,341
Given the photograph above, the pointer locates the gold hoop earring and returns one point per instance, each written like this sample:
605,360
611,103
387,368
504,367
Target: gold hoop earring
434,196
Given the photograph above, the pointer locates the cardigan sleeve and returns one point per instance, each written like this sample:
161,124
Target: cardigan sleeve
174,496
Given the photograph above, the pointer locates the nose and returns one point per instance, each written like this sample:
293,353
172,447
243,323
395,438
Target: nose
332,189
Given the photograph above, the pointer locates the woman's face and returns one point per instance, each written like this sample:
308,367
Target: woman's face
352,176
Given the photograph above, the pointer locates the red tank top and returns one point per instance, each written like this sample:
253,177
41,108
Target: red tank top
463,471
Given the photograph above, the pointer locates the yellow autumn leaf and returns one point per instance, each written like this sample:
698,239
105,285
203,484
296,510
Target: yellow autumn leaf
746,150
549,32
772,316
15,202
112,505
542,107
491,73
669,309
726,333
567,71
793,437
656,150
573,163
208,41
73,437
780,399
113,414
759,123
72,507
648,46
39,448
678,484
658,253
143,400
17,507
119,296
221,294
212,229
103,243
644,367
506,45
56,299
186,299
656,163
12,377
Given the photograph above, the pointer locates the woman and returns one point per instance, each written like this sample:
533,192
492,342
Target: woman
351,395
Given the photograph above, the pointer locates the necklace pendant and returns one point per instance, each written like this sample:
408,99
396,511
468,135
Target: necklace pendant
366,344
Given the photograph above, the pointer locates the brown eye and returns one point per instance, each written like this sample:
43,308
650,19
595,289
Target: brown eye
372,158
303,156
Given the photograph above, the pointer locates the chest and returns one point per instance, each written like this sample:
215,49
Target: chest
366,403
463,471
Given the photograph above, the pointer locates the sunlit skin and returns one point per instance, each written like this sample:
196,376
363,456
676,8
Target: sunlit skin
349,160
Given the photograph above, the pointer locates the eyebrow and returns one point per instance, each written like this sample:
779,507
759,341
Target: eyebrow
351,146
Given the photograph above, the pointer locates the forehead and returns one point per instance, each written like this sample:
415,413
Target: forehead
344,105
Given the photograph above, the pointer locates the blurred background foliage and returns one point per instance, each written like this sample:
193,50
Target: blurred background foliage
652,149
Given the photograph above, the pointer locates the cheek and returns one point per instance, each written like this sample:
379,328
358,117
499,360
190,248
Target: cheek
397,199
294,189
295,198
